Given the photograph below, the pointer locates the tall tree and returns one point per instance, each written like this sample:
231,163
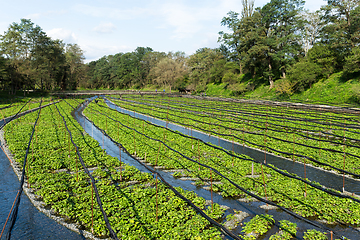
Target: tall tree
281,22
149,61
247,8
142,70
49,64
17,45
170,69
200,64
310,31
254,46
342,29
232,39
75,62
3,73
352,65
34,59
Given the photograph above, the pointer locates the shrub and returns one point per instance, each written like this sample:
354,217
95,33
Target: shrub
284,87
352,64
303,74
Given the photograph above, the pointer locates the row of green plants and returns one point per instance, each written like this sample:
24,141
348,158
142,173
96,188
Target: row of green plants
23,105
317,112
289,193
304,118
137,204
249,130
260,224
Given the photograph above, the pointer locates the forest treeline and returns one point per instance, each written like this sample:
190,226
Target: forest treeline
280,44
31,60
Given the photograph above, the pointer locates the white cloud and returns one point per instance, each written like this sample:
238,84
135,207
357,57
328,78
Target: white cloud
181,19
210,39
188,20
107,12
33,16
36,16
105,28
66,35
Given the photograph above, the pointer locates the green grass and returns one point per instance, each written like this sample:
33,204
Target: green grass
263,92
334,90
218,90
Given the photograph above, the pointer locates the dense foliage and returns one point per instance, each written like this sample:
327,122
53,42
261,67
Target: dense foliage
29,60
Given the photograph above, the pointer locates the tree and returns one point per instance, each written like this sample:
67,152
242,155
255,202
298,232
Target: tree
254,45
3,72
102,73
231,73
266,40
128,70
310,31
170,69
342,29
322,55
232,40
149,61
93,74
49,64
75,62
281,22
34,59
200,63
17,45
143,71
217,71
343,9
248,8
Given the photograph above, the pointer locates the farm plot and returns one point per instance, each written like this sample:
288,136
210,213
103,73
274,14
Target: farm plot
324,139
137,205
204,162
21,105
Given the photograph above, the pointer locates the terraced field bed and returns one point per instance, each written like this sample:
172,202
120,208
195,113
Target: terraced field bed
71,174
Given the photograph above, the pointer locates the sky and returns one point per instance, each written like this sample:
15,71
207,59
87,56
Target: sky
108,27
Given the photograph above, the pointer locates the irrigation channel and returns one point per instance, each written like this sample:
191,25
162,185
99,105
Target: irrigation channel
252,208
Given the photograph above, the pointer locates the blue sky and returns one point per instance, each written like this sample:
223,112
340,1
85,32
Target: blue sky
111,26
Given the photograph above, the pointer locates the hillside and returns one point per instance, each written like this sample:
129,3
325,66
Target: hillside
334,90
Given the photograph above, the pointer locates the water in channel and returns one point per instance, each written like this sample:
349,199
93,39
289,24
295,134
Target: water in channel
253,208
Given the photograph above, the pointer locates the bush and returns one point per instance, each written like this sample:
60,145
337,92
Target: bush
303,74
284,87
324,58
230,77
237,88
355,94
352,64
